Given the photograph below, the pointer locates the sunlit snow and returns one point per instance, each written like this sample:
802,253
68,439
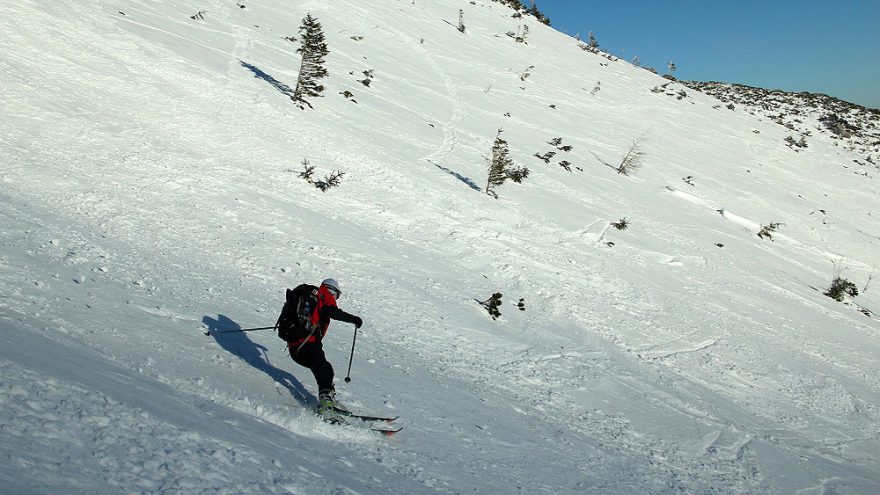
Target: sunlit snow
150,190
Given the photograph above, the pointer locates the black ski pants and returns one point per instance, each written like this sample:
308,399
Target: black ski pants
311,355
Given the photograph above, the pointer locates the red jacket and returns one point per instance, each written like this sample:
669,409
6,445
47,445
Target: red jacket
326,311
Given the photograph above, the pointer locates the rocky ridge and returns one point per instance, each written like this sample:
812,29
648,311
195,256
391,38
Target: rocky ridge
809,116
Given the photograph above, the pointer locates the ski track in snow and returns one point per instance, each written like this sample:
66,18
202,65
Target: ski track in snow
447,146
756,226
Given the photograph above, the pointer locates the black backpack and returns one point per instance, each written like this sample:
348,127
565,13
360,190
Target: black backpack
295,321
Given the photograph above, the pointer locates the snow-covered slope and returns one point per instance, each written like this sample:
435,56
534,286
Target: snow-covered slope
149,189
841,123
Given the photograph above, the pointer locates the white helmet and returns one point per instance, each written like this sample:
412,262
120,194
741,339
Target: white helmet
333,285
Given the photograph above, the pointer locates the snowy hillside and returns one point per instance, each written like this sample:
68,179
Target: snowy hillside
150,191
841,123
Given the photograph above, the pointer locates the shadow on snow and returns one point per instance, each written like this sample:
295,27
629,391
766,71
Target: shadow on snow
458,176
254,354
259,74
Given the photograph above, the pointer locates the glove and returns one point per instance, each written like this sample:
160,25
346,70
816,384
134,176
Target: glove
358,322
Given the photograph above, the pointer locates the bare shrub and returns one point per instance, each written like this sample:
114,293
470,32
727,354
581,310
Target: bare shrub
632,161
766,230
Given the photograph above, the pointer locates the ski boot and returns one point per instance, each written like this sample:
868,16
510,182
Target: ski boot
329,409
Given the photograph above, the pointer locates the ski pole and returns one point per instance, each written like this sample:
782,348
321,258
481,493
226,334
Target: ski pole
209,333
348,376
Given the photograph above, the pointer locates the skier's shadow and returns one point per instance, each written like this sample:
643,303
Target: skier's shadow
254,354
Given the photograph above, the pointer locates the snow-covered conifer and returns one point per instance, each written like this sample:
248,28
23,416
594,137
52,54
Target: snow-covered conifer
498,165
501,166
533,10
313,51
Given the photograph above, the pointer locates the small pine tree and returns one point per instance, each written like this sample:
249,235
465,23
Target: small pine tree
501,167
533,10
329,181
461,27
840,288
498,165
521,38
308,171
324,185
621,224
518,174
546,156
492,304
313,51
514,4
766,230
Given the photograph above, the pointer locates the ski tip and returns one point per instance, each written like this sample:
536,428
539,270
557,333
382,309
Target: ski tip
387,433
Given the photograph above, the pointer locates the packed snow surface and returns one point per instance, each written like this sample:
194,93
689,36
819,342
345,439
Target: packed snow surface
150,191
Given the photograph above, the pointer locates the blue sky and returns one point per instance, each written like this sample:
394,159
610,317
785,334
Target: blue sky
821,46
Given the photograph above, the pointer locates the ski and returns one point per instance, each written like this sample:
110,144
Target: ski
388,432
364,417
344,421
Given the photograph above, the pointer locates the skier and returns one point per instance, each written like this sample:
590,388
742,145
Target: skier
309,351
